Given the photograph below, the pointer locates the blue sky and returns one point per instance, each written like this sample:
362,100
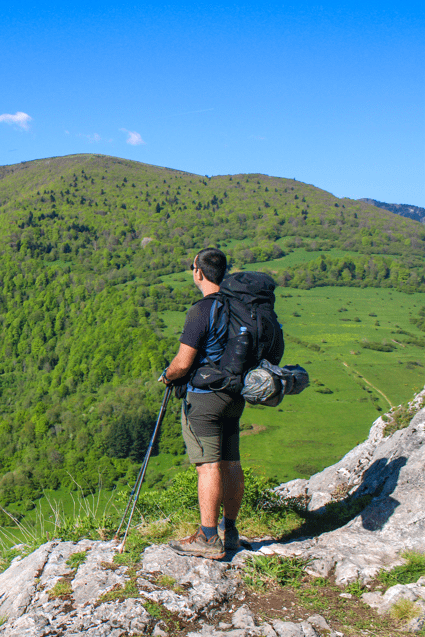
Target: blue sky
332,94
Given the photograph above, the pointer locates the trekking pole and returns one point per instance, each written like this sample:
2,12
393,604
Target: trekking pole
134,495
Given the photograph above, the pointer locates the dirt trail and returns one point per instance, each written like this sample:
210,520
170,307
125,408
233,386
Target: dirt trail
369,383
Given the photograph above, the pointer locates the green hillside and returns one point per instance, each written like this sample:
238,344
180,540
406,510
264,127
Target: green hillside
94,285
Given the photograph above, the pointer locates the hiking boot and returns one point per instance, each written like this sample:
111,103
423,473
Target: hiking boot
230,538
199,546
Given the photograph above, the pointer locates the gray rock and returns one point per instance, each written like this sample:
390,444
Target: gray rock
391,471
91,580
243,618
113,618
416,625
251,630
267,631
384,602
18,582
308,630
317,621
289,629
210,582
207,631
159,631
374,600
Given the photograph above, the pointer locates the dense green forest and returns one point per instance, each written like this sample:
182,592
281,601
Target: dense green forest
87,242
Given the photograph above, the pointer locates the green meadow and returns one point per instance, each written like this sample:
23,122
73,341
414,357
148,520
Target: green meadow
351,385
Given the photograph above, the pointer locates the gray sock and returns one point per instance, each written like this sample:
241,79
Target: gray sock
226,523
209,531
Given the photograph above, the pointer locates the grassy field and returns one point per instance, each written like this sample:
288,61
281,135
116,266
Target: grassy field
350,385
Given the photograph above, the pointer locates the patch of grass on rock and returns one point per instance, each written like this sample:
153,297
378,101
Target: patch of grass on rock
406,573
129,590
76,559
61,589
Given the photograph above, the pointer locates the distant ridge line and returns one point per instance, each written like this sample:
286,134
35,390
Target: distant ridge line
405,210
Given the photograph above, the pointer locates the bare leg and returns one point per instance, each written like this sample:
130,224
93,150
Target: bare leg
210,492
233,487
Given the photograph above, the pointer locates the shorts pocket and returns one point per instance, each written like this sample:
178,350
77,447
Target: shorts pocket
198,440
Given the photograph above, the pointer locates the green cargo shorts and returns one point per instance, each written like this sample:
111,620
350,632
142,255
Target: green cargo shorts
210,426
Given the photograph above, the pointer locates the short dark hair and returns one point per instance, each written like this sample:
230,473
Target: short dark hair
213,264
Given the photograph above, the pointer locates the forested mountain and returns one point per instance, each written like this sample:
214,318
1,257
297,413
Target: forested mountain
85,240
412,212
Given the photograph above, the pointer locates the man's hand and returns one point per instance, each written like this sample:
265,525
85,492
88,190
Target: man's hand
180,364
163,378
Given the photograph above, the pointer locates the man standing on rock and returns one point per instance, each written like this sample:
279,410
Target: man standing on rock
210,419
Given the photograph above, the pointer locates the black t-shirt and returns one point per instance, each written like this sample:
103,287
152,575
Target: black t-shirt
197,323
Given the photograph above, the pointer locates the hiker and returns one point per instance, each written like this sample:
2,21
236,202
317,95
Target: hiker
210,419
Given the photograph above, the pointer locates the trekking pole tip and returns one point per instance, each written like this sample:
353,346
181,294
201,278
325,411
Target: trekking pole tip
121,548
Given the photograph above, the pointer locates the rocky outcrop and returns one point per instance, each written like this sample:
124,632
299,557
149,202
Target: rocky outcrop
391,472
203,594
33,607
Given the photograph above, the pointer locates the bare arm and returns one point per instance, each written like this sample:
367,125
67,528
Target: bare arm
181,363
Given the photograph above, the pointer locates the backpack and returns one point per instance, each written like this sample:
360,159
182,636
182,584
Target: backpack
245,305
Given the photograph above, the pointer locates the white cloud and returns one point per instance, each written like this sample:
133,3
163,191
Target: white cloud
95,138
20,119
134,138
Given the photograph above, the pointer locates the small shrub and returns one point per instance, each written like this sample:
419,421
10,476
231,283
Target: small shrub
401,417
404,610
306,469
355,588
75,528
320,582
378,347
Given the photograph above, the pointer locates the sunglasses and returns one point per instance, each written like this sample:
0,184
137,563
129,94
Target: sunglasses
193,267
